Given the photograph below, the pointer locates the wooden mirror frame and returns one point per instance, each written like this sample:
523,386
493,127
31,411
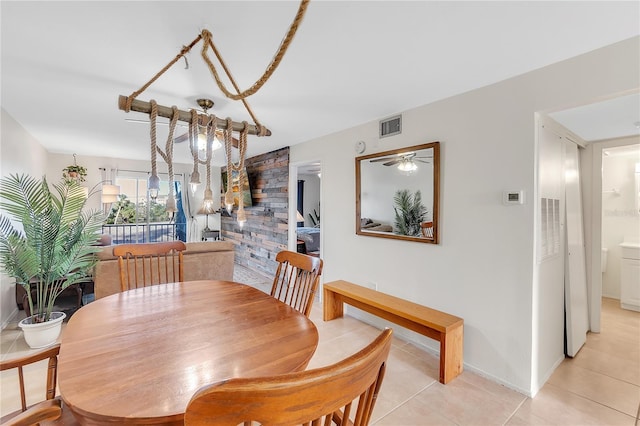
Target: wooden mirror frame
436,194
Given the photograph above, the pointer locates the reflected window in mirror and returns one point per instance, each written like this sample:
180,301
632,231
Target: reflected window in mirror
398,192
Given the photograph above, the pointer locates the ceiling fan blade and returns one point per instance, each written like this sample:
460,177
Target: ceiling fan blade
422,161
392,162
185,138
161,123
376,160
182,138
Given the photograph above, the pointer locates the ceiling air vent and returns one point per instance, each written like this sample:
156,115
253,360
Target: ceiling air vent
391,126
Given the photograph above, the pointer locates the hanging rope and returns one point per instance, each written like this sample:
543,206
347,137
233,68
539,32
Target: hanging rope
228,142
211,133
209,43
152,121
212,126
167,154
284,45
183,51
242,145
193,146
240,95
239,167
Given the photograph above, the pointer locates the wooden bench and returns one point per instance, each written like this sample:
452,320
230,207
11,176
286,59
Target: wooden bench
443,327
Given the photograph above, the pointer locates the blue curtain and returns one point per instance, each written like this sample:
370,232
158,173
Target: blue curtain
301,201
180,218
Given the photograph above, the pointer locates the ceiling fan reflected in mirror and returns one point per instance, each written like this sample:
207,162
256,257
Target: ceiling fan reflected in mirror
406,161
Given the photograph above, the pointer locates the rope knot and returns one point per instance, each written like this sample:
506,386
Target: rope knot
127,104
206,34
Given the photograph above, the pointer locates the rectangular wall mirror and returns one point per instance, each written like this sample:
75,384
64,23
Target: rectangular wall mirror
398,192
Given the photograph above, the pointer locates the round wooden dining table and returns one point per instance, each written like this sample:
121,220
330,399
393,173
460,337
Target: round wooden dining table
138,356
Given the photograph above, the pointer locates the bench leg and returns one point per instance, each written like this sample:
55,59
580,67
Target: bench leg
332,306
451,354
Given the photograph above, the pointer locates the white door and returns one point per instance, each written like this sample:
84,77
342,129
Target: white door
575,286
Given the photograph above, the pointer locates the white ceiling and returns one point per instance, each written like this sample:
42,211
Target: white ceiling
611,118
65,63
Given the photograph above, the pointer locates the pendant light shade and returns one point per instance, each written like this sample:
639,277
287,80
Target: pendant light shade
153,186
110,192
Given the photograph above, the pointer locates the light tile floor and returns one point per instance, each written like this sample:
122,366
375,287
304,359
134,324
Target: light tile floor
600,386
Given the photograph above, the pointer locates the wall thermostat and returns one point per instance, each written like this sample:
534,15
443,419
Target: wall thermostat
513,197
360,147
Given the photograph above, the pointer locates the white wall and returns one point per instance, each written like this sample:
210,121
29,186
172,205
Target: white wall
620,216
482,270
20,153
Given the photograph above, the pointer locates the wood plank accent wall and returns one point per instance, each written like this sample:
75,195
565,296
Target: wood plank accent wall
265,232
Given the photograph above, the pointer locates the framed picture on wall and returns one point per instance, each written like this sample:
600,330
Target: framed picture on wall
245,191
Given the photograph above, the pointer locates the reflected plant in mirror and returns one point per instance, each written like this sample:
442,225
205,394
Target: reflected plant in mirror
397,193
410,212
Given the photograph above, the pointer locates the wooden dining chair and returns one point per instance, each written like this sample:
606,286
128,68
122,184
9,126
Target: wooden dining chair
51,408
427,229
147,264
296,279
345,390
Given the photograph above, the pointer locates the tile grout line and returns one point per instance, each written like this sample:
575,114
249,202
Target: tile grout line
593,401
601,373
525,399
406,401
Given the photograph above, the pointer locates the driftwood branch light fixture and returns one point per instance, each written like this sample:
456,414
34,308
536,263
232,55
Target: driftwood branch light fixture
209,122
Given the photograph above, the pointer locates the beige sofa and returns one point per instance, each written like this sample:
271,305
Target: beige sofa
207,260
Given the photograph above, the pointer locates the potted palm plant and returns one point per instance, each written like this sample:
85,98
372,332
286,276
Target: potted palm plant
47,243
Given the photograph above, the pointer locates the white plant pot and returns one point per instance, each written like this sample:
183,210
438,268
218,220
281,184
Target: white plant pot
42,334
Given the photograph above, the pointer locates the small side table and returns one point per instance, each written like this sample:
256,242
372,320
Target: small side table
210,235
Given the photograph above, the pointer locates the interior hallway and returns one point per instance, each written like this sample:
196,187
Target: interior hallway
600,386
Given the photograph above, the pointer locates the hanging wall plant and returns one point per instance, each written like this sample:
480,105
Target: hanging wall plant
74,172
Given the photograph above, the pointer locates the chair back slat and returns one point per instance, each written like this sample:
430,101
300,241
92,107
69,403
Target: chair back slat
427,229
52,355
296,280
143,265
50,410
343,393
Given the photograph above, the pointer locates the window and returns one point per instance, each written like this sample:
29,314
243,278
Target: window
136,218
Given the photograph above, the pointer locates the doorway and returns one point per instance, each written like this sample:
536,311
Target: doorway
305,201
604,125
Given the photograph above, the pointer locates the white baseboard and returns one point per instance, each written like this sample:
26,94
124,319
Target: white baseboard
11,318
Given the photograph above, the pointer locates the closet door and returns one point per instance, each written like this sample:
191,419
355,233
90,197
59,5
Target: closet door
576,303
548,297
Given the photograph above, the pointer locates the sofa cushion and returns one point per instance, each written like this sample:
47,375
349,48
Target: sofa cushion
208,246
207,260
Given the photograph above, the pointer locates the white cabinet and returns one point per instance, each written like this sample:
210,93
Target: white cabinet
630,276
